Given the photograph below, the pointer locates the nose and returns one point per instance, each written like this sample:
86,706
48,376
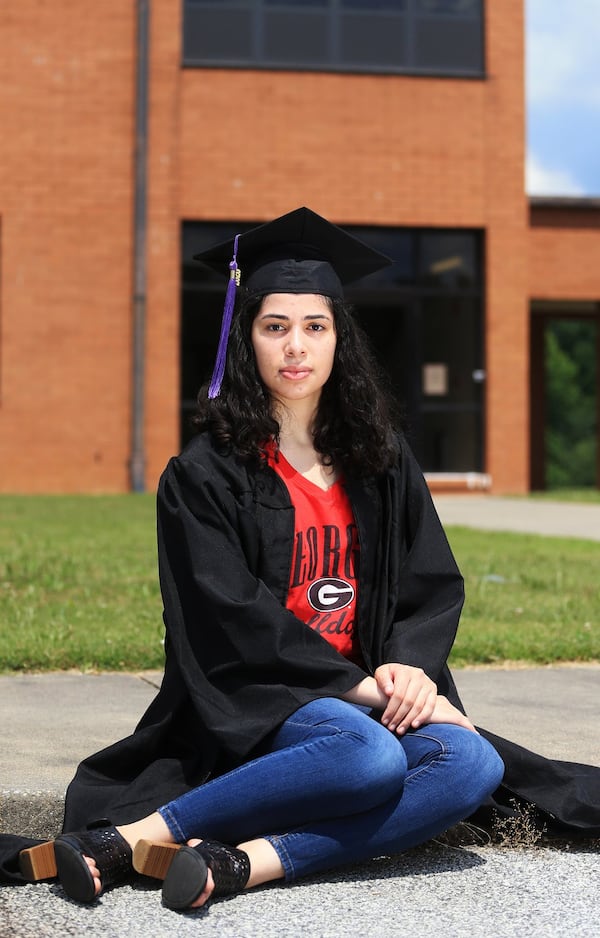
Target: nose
294,346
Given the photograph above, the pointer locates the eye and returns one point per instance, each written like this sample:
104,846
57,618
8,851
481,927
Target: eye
316,327
274,327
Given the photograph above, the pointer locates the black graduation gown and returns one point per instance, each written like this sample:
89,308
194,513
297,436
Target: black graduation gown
238,662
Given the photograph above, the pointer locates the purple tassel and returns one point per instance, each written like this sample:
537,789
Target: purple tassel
234,280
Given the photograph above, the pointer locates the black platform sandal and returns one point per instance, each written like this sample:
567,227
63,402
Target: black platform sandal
105,845
185,869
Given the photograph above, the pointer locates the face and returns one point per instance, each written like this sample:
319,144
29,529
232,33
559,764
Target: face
294,339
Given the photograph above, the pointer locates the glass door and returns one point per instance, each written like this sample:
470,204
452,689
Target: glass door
451,384
431,350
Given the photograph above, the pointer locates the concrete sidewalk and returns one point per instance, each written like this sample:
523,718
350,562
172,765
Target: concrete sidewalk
51,721
522,515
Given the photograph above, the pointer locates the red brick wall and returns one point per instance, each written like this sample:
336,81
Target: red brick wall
66,97
390,150
223,144
565,254
507,319
164,219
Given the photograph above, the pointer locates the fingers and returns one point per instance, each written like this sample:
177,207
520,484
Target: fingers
462,720
412,700
409,712
383,676
445,712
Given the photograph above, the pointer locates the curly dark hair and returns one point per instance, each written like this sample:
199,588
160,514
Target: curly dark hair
353,428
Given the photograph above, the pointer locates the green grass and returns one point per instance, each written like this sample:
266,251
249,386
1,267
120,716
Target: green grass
79,589
529,598
79,583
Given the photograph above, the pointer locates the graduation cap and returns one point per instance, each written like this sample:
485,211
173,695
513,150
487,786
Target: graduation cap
299,252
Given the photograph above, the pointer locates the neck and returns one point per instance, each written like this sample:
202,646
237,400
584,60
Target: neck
295,421
297,444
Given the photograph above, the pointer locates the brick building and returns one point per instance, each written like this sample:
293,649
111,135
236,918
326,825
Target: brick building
402,121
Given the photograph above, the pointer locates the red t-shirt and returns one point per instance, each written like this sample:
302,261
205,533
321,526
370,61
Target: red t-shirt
323,583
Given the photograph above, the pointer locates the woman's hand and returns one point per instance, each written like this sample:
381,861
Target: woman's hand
411,696
407,697
445,712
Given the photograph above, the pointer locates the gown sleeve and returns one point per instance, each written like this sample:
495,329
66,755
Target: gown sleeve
247,661
426,587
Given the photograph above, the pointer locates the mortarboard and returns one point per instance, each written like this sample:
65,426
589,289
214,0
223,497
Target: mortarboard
299,252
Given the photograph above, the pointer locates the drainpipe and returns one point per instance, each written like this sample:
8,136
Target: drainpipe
137,463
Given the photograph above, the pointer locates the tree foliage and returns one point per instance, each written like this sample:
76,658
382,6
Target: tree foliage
571,408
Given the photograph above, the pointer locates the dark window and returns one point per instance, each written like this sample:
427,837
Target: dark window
295,34
449,259
443,37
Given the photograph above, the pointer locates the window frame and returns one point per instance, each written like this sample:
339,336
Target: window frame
334,11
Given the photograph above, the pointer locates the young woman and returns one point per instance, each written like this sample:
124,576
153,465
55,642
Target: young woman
306,717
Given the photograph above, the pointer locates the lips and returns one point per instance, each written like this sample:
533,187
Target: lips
294,374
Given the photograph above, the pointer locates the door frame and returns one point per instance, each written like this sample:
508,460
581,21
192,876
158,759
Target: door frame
542,312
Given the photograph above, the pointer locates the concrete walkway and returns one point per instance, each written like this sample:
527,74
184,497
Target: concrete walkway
51,721
493,513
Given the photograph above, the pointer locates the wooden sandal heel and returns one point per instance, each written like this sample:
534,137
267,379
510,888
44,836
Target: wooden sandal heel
38,862
152,858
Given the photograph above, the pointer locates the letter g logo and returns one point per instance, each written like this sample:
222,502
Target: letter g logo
329,594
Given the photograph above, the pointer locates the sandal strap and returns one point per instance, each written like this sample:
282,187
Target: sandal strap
108,848
230,867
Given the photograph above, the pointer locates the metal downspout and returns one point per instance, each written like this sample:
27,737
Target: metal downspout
137,464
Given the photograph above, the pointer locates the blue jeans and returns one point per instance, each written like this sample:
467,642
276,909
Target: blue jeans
334,786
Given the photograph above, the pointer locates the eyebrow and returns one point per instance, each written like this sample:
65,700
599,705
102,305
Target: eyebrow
286,317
